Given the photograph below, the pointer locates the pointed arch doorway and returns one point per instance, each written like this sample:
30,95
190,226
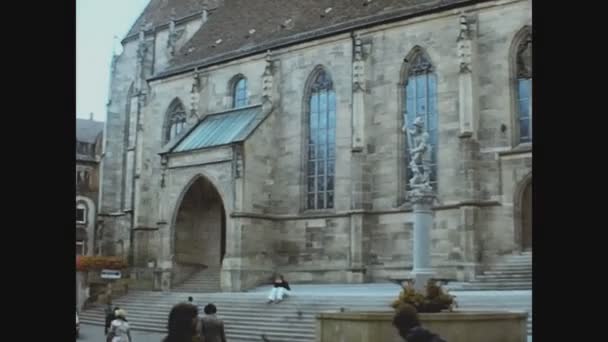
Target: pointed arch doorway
523,216
200,227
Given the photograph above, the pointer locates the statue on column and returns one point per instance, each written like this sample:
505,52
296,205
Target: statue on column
420,153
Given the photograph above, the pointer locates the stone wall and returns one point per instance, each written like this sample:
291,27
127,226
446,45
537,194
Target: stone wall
296,66
258,167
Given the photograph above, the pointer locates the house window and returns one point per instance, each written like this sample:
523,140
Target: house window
321,140
240,93
86,180
80,247
524,88
81,213
421,101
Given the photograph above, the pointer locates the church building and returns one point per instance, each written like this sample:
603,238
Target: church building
251,137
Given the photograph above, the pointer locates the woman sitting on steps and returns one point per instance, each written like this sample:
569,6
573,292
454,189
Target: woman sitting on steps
281,288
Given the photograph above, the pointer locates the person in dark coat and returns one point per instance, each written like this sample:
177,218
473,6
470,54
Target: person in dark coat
407,323
109,317
281,288
211,327
183,320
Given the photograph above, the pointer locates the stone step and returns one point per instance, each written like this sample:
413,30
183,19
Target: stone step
494,272
517,257
196,289
527,282
163,314
525,258
225,310
235,335
511,267
477,287
233,325
505,277
294,322
506,282
255,301
204,276
516,260
224,307
201,281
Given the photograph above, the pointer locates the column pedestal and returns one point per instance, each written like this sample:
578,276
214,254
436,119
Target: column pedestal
422,200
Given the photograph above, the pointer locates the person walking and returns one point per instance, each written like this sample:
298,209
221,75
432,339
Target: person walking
109,314
407,323
211,327
183,320
119,329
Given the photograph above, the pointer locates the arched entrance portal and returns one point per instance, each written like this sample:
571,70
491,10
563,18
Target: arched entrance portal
526,217
200,227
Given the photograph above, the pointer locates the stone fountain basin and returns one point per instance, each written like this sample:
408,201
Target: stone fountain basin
456,326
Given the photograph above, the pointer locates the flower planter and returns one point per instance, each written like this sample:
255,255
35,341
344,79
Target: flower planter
457,326
97,263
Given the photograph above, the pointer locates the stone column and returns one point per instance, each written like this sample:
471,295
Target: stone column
357,269
422,200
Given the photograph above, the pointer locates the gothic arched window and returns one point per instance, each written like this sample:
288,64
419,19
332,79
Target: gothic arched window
239,93
176,120
421,101
321,141
523,87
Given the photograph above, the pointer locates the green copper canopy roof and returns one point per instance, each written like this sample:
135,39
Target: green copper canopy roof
220,129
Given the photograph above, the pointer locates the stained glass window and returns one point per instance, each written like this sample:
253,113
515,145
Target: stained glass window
524,89
321,143
176,120
421,101
240,93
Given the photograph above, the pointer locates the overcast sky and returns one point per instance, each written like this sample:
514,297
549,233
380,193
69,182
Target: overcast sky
97,22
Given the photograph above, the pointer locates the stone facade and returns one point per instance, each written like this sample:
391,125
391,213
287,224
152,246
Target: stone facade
482,171
89,136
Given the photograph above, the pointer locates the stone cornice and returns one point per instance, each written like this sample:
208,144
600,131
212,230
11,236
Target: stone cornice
404,209
144,228
115,214
521,149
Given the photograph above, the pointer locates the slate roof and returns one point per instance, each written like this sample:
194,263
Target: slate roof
158,12
88,130
218,129
310,19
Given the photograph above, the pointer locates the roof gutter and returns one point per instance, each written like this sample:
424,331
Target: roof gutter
312,35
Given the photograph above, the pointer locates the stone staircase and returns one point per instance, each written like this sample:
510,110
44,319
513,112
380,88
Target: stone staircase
204,281
247,316
512,272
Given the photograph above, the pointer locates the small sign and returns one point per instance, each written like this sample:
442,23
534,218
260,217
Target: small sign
110,274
